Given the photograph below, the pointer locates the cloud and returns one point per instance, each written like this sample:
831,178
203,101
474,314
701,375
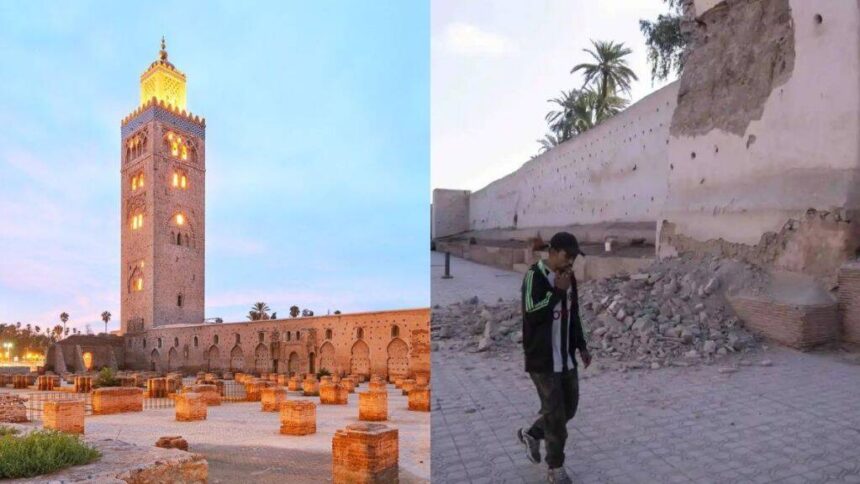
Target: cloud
469,40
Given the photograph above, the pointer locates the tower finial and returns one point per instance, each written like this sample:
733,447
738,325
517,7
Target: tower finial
163,53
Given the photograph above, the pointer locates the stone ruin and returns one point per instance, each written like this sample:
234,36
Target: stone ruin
12,408
674,312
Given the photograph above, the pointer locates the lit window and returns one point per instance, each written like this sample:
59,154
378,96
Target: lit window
138,284
179,180
137,221
177,147
137,182
180,219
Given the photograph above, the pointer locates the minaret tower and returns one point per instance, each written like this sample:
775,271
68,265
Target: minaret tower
162,212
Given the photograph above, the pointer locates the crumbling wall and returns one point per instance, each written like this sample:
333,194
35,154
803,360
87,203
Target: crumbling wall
613,172
765,136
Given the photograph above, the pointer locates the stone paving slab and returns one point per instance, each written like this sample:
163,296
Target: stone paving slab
795,421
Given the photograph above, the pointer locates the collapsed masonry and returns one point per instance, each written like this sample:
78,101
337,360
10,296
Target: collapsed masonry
752,156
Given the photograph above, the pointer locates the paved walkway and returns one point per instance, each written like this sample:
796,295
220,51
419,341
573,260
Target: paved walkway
795,421
470,279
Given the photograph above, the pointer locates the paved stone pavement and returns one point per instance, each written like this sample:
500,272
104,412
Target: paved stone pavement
470,279
795,421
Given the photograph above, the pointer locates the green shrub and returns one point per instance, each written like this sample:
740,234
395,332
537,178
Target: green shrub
323,372
106,378
42,452
4,431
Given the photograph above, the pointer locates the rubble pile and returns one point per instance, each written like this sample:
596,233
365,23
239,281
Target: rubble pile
673,313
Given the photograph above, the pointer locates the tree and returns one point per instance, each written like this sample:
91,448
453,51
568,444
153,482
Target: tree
64,317
258,311
548,142
294,311
57,332
667,42
66,332
106,318
609,73
274,316
337,311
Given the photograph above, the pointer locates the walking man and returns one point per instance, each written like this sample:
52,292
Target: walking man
552,332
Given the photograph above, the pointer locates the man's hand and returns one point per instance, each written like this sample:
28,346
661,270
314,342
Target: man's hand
562,281
586,357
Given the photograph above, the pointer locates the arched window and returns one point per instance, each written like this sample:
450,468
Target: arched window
178,238
176,342
298,335
238,338
328,334
178,149
159,342
136,221
359,333
179,180
137,286
195,341
395,331
179,300
144,342
215,339
289,335
137,181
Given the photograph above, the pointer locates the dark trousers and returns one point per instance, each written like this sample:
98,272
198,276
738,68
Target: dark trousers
559,397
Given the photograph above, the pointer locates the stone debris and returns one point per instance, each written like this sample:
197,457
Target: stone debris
671,314
172,442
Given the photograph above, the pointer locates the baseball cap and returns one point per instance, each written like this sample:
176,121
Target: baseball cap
567,242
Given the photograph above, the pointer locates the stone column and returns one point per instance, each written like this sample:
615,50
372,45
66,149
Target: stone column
298,417
64,416
419,399
373,406
365,453
271,398
333,393
190,407
83,384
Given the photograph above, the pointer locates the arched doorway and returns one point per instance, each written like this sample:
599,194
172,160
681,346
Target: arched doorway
359,363
293,364
398,359
213,359
261,359
237,359
327,359
172,359
153,360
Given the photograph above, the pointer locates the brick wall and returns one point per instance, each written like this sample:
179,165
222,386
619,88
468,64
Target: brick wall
849,301
117,400
798,326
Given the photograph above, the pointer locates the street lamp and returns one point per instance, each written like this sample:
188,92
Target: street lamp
8,346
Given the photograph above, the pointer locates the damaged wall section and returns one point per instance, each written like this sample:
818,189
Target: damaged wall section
763,153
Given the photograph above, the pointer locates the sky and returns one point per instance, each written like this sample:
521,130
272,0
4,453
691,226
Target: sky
317,151
495,63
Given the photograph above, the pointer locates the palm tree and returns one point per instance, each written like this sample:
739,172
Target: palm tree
64,316
561,121
294,311
258,311
106,318
56,332
548,142
609,71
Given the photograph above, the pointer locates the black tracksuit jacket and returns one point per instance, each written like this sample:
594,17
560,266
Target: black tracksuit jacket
539,298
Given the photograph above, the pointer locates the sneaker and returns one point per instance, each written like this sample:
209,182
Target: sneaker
532,446
558,476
